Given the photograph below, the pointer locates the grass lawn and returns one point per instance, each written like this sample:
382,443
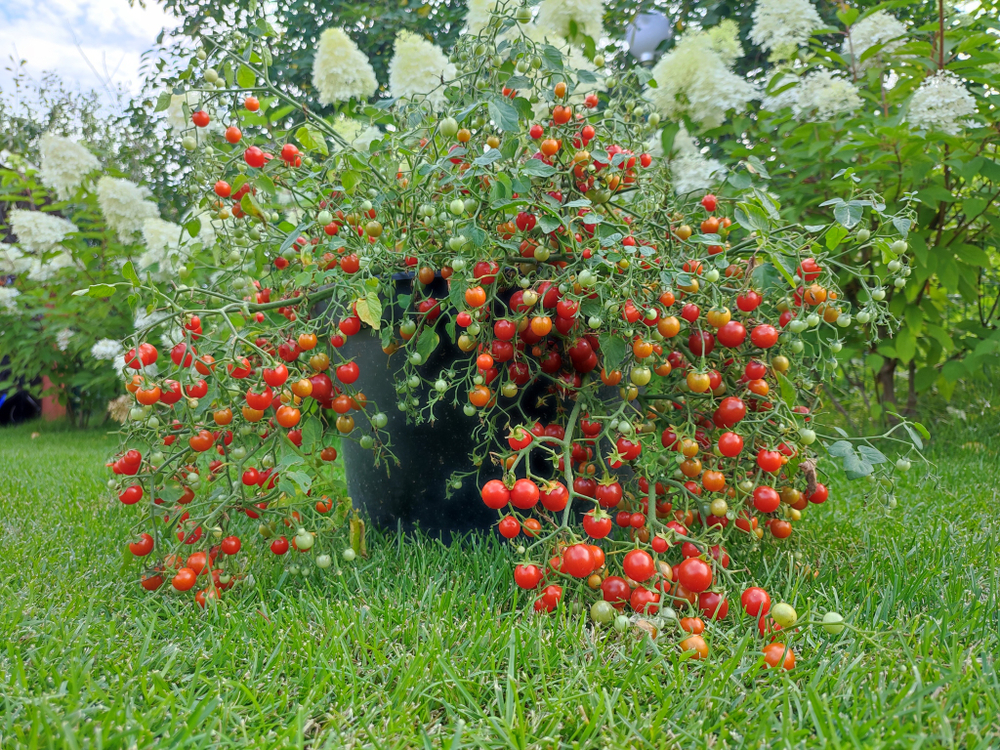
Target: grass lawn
427,646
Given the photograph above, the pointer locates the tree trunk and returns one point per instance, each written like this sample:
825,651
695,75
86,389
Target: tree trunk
911,394
886,379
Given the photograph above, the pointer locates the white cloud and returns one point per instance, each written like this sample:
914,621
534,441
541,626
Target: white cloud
87,42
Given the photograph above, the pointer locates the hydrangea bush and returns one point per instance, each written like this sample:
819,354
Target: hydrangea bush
72,227
683,341
873,106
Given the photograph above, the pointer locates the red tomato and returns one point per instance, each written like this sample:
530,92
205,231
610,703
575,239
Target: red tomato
694,574
638,565
756,601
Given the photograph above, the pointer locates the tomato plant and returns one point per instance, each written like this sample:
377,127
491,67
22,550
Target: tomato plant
684,369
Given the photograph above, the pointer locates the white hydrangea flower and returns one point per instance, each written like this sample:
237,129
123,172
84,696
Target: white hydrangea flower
693,79
8,298
65,164
554,16
119,365
826,95
63,338
163,248
106,349
479,14
172,337
12,260
177,119
340,70
124,206
725,41
573,58
37,231
45,269
417,69
786,90
941,103
780,26
690,170
356,134
878,28
144,319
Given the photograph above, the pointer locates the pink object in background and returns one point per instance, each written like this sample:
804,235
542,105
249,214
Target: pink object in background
51,408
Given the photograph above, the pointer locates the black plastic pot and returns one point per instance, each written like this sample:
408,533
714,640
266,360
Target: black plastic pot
412,494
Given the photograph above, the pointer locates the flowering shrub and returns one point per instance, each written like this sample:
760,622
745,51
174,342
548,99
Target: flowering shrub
905,111
663,330
71,231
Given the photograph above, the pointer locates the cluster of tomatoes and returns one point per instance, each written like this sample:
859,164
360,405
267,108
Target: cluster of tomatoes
675,367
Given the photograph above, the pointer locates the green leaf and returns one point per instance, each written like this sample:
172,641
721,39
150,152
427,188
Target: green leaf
537,168
848,215
488,158
369,309
872,455
906,345
914,434
840,449
788,393
350,180
835,236
503,115
613,349
902,225
751,217
312,434
548,224
128,271
427,343
163,101
97,290
246,78
856,467
312,139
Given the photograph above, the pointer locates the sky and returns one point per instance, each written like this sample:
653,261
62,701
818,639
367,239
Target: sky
87,42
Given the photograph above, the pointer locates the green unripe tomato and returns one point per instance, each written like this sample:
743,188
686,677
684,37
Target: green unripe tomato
640,376
441,385
380,420
621,623
602,612
416,358
902,464
654,119
324,561
523,14
807,436
211,75
304,540
833,623
712,275
599,61
784,614
189,143
324,217
863,235
898,247
457,206
349,554
594,322
470,410
894,266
